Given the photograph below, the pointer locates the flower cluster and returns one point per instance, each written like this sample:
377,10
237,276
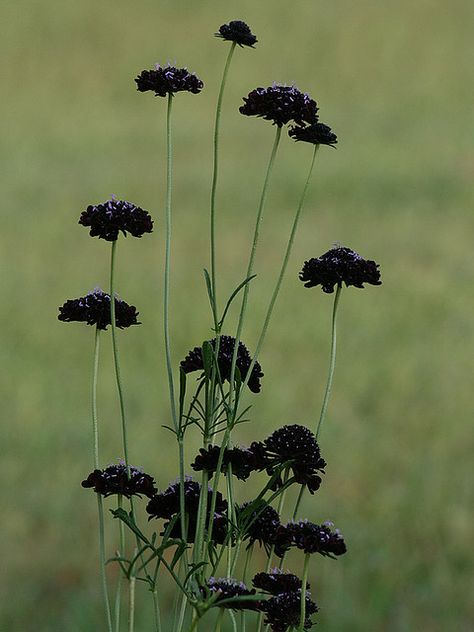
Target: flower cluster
94,309
283,611
164,80
316,134
194,362
118,479
310,538
227,588
280,104
238,32
107,220
258,524
167,504
241,461
277,582
338,266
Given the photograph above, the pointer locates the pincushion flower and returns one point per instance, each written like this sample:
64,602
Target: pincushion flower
283,611
337,266
94,309
166,504
115,216
242,461
280,104
164,80
276,582
316,134
115,479
263,525
226,588
238,32
194,362
314,538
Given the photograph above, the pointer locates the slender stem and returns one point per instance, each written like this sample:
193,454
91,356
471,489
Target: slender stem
284,265
303,592
214,180
131,610
169,180
100,504
253,251
118,594
332,362
182,612
220,616
156,610
116,356
194,622
298,501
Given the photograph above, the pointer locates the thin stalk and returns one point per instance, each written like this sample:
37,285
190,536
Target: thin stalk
220,616
244,579
251,262
298,501
230,512
156,610
332,362
303,592
283,268
116,356
118,594
215,175
100,504
194,622
169,180
131,609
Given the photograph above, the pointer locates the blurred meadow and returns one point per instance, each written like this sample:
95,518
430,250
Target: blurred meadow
394,80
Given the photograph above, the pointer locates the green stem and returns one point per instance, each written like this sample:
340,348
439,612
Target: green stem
156,610
298,501
100,504
214,180
283,268
332,362
220,616
118,594
303,592
131,610
116,356
251,262
169,180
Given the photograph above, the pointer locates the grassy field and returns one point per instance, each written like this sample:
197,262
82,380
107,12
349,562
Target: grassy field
394,80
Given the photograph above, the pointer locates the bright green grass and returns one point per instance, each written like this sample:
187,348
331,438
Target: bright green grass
393,79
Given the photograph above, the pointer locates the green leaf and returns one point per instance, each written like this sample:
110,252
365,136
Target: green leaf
232,296
209,289
207,358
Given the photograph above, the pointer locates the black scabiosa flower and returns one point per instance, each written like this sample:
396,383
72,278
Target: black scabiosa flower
194,362
280,104
283,611
297,446
94,309
259,525
241,460
166,504
276,582
314,538
164,80
228,588
238,32
115,479
317,134
113,216
337,266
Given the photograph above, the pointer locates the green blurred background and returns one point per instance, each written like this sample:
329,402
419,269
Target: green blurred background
394,80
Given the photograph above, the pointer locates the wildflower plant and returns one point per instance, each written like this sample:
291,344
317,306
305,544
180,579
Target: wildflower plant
199,533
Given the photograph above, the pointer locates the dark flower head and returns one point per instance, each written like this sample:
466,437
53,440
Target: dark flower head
317,134
228,588
164,80
113,216
241,460
283,611
314,538
277,582
282,540
337,266
219,528
194,362
262,524
115,479
166,504
238,32
297,446
280,104
94,309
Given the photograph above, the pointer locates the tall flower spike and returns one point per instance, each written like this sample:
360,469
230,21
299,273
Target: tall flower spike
316,134
338,266
94,309
280,104
194,362
164,80
238,32
107,220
